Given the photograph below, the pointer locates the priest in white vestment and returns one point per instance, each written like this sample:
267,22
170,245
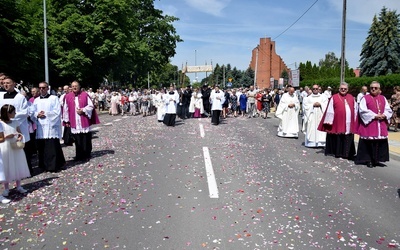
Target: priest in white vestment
160,105
288,113
47,114
314,107
196,104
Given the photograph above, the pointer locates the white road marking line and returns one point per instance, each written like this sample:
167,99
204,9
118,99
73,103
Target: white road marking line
117,120
201,131
212,183
108,124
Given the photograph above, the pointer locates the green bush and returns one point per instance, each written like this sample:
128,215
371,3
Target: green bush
355,83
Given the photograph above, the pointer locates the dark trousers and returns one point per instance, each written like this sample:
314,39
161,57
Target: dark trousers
51,156
83,146
185,111
101,105
215,116
30,149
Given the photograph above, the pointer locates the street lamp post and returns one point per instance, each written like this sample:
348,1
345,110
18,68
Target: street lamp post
256,68
343,60
195,64
46,58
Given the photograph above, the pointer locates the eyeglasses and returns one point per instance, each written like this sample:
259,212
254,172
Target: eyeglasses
42,87
374,88
342,89
315,88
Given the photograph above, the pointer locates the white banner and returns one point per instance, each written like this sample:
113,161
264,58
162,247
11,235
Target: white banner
195,69
295,78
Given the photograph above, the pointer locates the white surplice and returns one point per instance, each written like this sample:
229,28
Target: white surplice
217,99
171,101
49,126
312,118
196,101
88,109
22,112
289,125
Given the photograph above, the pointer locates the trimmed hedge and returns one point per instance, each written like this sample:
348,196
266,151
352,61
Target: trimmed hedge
355,83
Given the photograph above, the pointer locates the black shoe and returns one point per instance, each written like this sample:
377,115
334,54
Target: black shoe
369,165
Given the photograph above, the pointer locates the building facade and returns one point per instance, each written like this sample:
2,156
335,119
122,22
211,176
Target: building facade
267,64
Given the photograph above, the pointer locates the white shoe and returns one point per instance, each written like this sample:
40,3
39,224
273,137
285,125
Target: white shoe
21,190
4,200
6,192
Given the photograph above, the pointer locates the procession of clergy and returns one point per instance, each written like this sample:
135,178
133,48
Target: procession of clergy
332,122
329,121
44,118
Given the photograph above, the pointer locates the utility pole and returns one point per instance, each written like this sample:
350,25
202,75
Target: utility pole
256,68
195,64
148,80
223,76
46,57
343,57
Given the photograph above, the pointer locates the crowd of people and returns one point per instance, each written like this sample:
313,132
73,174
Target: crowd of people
31,124
331,121
43,118
187,102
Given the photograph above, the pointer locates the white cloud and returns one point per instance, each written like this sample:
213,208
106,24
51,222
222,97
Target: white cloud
212,7
170,10
362,11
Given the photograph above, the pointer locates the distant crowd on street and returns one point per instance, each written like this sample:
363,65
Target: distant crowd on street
38,121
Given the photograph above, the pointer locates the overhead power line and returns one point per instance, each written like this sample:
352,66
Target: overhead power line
296,20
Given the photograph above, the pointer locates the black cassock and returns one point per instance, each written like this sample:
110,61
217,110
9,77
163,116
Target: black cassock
51,156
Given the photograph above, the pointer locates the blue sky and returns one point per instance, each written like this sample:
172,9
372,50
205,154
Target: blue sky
225,31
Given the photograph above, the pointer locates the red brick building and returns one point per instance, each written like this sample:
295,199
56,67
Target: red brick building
269,64
357,72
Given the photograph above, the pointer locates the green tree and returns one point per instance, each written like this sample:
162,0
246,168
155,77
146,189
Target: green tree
327,68
21,40
118,39
168,75
284,74
247,78
380,52
330,61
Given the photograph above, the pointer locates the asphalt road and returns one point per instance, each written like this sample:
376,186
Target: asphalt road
198,186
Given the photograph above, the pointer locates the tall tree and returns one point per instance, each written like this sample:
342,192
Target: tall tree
330,61
112,38
21,39
248,77
380,52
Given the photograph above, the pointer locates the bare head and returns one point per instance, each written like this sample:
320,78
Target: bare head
375,88
343,88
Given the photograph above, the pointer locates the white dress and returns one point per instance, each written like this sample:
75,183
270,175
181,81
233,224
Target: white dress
2,176
14,160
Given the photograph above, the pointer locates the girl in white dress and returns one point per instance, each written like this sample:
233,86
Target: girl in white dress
2,176
14,161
